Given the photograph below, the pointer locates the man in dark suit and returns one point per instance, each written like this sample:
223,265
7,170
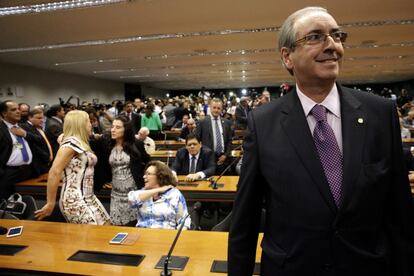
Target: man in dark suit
188,129
216,133
15,156
241,112
42,150
327,163
135,118
54,125
194,161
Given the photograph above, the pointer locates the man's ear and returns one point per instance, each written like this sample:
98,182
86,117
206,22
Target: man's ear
286,60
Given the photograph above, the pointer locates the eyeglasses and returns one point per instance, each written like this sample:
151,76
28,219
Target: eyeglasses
316,38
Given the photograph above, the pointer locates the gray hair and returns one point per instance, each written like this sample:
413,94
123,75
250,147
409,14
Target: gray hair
144,130
288,32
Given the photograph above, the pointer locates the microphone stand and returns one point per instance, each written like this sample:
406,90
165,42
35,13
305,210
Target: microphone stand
167,272
213,183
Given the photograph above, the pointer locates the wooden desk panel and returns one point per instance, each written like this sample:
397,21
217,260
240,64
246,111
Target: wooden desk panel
176,145
50,244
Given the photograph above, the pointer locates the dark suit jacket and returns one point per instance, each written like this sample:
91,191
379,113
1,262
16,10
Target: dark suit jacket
206,162
135,121
39,149
241,118
305,233
53,129
7,145
204,131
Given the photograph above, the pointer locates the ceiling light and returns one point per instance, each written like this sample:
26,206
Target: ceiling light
56,6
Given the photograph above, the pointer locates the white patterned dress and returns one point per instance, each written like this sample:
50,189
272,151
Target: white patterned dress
122,183
77,202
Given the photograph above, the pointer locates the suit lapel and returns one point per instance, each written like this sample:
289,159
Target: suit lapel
5,130
297,129
353,129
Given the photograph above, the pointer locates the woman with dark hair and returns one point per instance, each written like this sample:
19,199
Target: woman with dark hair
127,160
152,121
159,203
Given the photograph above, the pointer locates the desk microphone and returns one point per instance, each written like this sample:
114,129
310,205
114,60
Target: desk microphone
213,183
165,140
167,272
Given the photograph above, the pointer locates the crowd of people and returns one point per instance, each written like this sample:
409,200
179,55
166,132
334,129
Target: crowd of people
88,147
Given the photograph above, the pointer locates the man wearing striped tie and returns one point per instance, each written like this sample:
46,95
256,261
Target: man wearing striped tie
15,156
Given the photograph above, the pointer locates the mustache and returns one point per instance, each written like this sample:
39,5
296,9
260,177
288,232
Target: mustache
328,56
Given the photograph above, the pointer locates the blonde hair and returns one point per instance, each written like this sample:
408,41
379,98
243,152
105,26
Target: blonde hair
75,125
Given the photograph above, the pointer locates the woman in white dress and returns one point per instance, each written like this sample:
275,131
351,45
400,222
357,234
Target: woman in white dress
76,161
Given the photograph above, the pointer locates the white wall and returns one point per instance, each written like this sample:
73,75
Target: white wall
33,86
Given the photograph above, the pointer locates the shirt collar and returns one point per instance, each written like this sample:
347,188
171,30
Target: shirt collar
9,125
331,102
197,156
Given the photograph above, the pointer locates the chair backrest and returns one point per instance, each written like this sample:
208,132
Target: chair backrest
6,215
224,225
31,207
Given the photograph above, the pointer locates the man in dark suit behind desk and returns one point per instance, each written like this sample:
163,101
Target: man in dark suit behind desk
327,163
15,155
216,134
193,160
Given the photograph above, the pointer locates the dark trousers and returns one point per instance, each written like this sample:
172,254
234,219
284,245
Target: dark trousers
11,176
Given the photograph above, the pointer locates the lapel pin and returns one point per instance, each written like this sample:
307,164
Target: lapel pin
360,121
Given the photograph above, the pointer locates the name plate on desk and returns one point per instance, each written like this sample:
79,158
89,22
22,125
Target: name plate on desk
185,184
106,258
221,267
175,263
11,249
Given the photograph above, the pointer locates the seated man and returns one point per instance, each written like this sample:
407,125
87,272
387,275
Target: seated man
143,135
195,161
189,128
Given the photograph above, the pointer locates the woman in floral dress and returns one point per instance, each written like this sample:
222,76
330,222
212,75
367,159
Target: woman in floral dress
76,161
127,160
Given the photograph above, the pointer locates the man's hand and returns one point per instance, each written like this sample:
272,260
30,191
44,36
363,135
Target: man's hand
192,177
221,160
18,131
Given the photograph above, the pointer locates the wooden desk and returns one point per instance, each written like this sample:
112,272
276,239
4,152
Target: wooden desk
37,187
50,244
169,144
205,193
172,134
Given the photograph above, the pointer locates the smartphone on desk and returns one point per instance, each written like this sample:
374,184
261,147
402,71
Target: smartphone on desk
119,238
14,231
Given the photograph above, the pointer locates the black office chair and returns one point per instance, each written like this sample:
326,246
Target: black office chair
224,225
7,215
31,207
